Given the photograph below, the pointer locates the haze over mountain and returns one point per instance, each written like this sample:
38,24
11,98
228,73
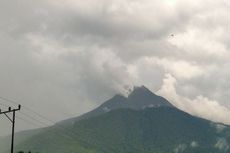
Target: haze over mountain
142,122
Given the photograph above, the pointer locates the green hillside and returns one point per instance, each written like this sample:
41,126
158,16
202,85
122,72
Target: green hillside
140,123
152,130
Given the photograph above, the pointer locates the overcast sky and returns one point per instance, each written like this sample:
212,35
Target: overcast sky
62,58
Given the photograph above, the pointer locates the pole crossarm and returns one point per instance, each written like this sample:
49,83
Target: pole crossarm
19,107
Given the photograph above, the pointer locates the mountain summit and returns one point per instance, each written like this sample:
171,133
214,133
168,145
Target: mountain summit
140,98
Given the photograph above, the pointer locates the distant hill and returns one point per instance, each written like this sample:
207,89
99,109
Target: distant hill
140,123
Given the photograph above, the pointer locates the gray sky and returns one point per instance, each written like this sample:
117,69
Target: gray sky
62,58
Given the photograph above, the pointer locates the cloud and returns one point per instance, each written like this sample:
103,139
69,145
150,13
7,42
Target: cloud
194,144
222,144
76,54
219,127
177,68
200,106
180,148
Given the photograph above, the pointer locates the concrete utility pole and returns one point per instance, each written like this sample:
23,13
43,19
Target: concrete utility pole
12,120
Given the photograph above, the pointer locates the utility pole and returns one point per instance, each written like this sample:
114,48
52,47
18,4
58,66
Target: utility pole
12,120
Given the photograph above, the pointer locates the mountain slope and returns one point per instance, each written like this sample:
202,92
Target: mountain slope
152,130
142,122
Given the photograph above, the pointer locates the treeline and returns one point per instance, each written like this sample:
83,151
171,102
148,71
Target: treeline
25,152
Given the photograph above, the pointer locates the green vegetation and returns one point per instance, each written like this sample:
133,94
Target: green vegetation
155,130
129,126
25,152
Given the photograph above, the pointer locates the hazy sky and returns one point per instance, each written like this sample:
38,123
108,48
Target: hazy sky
62,58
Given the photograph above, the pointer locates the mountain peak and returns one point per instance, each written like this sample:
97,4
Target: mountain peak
142,97
139,98
142,90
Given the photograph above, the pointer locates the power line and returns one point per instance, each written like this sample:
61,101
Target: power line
4,105
34,119
8,100
62,129
31,110
28,121
51,129
27,108
46,129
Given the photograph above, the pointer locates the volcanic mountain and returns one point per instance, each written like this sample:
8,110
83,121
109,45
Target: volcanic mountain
140,123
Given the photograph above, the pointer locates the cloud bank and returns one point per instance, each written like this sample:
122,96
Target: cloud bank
63,58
